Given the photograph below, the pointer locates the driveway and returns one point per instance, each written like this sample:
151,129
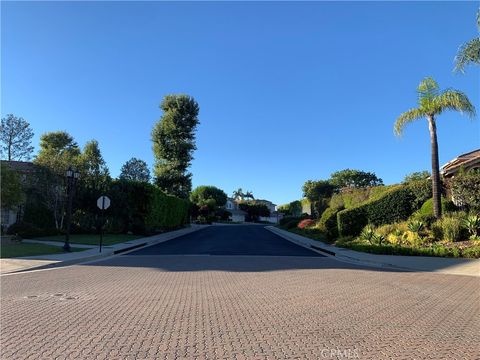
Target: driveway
236,292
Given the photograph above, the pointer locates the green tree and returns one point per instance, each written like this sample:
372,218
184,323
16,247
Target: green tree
317,192
94,174
316,189
173,144
16,137
293,208
58,151
135,169
354,178
11,187
469,52
202,193
431,103
416,176
466,189
254,210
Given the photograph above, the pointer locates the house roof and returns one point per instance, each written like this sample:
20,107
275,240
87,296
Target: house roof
21,166
465,160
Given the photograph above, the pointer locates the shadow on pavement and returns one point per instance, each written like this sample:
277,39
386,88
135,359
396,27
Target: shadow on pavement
229,263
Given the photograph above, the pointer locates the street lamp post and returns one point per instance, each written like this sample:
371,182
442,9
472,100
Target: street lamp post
72,177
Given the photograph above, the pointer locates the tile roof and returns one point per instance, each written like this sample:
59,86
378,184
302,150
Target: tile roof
465,160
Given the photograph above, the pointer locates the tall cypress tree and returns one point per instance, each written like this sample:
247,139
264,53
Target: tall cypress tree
173,139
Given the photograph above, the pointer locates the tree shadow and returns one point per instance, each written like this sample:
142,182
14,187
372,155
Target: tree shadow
230,263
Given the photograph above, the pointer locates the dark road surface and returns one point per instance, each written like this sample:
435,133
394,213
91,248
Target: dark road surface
229,240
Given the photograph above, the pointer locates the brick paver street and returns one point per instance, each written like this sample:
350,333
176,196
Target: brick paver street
158,304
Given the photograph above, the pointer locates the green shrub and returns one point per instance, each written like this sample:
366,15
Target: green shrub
433,250
393,205
222,214
287,219
35,211
426,210
29,231
437,230
415,226
328,223
471,252
472,224
466,189
426,219
452,228
293,223
368,234
421,190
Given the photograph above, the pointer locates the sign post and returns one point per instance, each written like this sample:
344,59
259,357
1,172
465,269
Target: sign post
103,203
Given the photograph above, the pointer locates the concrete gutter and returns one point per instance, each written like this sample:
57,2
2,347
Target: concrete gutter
452,266
15,265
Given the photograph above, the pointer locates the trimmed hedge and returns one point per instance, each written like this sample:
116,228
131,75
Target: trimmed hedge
328,223
166,211
351,197
143,208
396,204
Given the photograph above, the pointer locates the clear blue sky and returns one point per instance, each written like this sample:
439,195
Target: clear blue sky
287,91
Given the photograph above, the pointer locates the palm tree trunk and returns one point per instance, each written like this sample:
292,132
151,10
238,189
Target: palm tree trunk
436,186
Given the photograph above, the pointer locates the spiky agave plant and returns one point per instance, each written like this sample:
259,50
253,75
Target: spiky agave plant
469,52
472,223
431,103
415,226
368,233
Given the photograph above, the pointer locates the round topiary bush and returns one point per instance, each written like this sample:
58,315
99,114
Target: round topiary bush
427,207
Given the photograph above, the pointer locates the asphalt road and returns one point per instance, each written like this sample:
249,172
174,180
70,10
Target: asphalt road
229,240
259,297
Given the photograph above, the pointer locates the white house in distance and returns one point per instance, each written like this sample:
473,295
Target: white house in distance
238,215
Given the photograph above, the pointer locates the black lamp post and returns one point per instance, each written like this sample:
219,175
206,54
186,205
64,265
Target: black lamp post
72,177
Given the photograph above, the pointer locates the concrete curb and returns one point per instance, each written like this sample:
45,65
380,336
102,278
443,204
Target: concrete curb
450,266
112,250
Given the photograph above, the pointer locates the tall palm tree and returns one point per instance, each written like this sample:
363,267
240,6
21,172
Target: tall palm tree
249,195
469,52
431,103
238,194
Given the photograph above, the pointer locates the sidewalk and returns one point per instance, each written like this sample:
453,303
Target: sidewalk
9,265
453,266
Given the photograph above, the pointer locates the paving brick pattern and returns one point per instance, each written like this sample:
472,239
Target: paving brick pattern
237,307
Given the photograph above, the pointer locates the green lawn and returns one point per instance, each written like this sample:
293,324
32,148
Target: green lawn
24,249
92,239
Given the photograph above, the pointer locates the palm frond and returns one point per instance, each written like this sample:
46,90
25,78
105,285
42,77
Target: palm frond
478,19
467,53
406,118
427,90
454,100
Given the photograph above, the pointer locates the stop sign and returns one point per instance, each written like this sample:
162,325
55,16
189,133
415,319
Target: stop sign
103,202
